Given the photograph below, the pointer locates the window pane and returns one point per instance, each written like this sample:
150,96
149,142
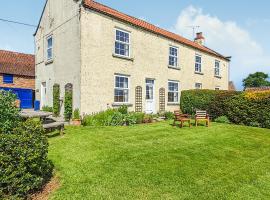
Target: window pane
49,42
49,53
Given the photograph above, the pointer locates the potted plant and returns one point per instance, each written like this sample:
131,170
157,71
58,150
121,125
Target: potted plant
76,120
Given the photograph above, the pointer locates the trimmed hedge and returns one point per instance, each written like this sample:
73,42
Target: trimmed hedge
196,99
247,108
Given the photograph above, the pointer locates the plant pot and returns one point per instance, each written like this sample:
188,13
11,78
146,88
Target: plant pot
76,122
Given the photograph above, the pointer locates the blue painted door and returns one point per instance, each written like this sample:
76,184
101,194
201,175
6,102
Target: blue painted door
24,95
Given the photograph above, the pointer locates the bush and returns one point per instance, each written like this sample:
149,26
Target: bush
250,112
24,166
196,99
217,107
76,114
222,119
169,115
47,109
148,118
139,117
9,113
68,105
123,110
56,100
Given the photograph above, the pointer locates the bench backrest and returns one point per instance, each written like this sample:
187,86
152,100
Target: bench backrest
201,114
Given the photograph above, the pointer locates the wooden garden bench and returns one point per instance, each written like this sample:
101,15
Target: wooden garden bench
201,115
182,118
55,125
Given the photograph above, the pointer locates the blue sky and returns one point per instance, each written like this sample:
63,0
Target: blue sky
237,28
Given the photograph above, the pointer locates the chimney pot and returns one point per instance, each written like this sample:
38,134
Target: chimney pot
199,38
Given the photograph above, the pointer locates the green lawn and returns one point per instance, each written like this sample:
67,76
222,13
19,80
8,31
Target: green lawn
159,161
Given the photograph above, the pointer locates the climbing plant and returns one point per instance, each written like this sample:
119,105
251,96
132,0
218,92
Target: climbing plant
68,102
56,100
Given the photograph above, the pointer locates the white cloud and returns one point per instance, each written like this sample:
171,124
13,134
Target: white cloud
227,38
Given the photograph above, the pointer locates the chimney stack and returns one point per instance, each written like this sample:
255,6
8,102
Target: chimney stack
199,38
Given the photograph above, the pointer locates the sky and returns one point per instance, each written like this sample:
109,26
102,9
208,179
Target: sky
240,29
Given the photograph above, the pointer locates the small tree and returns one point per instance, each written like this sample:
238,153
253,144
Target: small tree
257,79
56,100
9,113
68,102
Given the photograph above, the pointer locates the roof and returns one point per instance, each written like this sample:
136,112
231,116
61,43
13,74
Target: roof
17,63
263,88
90,4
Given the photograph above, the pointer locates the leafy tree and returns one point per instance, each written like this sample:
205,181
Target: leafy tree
257,79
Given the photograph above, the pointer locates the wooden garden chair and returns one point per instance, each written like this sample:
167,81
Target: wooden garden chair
182,118
201,115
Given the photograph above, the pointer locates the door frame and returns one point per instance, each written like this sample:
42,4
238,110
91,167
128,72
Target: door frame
43,92
154,99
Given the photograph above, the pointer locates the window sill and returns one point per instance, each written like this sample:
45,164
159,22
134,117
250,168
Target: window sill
199,73
173,67
173,104
218,77
123,57
49,62
122,104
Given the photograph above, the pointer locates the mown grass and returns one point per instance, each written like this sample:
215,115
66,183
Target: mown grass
159,161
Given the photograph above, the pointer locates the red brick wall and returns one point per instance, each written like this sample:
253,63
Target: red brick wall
25,82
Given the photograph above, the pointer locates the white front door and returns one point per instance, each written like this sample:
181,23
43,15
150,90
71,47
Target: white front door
150,97
43,91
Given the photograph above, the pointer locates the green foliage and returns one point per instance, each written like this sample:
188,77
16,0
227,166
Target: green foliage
68,105
196,99
9,114
76,114
257,79
217,107
123,110
24,166
222,119
47,109
148,118
112,117
250,112
169,115
56,100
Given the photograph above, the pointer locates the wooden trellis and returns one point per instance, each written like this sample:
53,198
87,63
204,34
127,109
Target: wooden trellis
138,99
162,100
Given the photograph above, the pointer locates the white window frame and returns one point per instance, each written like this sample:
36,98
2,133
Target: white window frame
122,88
49,48
170,91
177,57
198,88
197,63
125,43
217,68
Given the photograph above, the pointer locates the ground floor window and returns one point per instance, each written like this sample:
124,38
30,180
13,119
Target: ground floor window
198,86
173,92
121,89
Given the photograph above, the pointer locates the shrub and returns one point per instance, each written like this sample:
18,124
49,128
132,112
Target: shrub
217,107
9,113
76,114
68,105
222,119
47,109
250,112
56,100
130,119
169,115
123,110
196,99
148,118
139,117
24,166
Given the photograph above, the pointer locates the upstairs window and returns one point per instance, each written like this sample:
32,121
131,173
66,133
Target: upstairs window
7,78
198,86
121,89
49,48
198,64
173,92
217,68
122,43
173,57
